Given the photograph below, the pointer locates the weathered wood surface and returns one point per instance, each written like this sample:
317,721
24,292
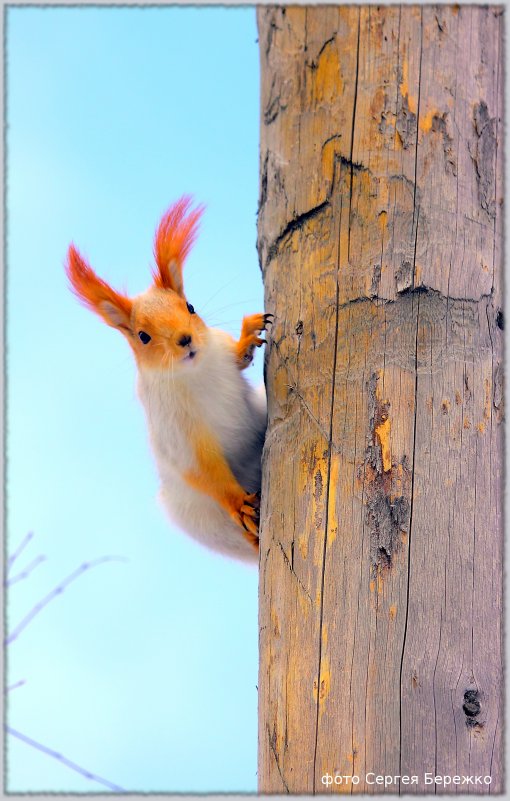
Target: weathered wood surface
380,243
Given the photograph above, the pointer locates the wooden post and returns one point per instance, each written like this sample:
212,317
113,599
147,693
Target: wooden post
381,540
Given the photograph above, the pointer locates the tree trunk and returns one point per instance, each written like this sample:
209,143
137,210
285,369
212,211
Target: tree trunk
381,539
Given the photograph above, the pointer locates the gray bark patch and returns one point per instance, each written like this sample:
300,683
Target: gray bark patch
387,512
484,157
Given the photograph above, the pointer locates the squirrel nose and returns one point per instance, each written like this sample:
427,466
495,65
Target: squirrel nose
184,340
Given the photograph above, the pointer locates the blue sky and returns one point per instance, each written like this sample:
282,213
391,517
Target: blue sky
143,671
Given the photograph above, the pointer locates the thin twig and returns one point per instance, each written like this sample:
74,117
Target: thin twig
58,590
26,572
24,542
14,686
67,762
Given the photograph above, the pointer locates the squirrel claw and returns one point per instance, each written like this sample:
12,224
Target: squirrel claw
253,500
248,516
266,318
250,511
250,525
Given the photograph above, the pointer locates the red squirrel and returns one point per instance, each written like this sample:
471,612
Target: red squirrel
206,422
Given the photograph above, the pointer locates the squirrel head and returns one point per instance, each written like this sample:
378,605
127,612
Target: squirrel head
160,325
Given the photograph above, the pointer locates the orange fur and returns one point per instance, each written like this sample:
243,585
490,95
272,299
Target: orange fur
163,315
213,476
174,238
92,290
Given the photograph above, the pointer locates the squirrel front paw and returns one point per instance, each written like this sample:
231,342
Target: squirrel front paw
246,515
253,325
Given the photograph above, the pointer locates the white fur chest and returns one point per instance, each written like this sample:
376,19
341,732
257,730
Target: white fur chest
210,392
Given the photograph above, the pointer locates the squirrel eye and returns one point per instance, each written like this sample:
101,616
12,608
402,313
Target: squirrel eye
190,308
145,338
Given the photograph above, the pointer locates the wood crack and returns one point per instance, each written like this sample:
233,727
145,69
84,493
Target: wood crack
332,409
413,469
277,760
289,565
294,225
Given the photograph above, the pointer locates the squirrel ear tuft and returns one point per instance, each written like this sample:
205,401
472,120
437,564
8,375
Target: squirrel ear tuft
96,294
173,240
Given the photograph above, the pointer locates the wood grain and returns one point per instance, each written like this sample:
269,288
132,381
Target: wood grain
381,523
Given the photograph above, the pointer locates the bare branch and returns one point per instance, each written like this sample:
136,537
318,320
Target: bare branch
58,590
15,686
26,572
67,762
24,542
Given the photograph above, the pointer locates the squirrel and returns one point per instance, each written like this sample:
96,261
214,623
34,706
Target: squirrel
206,422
